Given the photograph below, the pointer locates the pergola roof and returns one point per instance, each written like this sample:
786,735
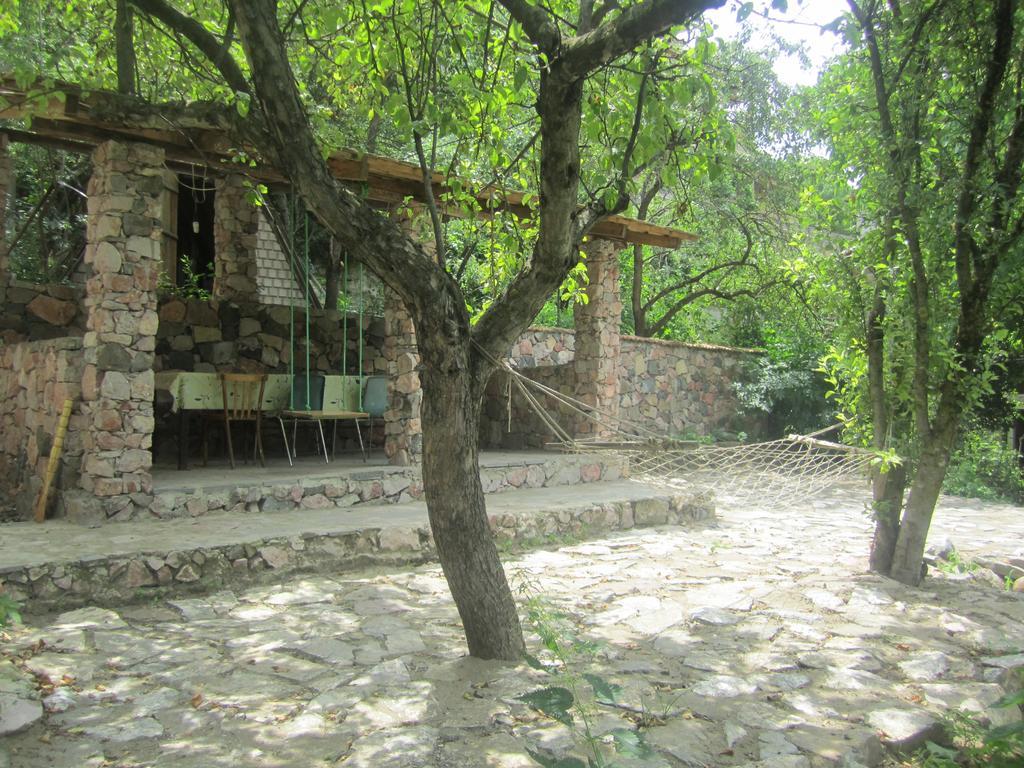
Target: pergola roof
70,123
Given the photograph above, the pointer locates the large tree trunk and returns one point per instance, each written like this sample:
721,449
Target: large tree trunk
455,505
452,379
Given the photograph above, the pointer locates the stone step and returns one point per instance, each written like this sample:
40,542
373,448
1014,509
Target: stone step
313,485
61,564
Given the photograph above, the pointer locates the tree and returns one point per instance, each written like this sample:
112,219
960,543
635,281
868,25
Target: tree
735,189
567,45
925,118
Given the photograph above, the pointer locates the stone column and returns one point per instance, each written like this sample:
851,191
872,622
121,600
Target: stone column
403,438
6,195
403,441
598,338
122,252
235,234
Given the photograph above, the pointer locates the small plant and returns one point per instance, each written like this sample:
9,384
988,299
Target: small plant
976,745
10,610
567,701
954,563
193,282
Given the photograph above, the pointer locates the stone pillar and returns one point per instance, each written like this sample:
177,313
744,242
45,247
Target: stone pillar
598,338
403,441
235,233
6,195
403,438
122,252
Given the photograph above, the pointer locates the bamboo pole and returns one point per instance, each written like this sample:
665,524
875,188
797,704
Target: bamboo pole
51,467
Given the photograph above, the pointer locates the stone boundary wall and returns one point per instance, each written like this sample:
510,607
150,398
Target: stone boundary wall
525,429
35,379
674,388
678,389
196,335
131,577
34,312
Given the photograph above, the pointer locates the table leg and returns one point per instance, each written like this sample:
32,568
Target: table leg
323,442
359,434
182,439
284,435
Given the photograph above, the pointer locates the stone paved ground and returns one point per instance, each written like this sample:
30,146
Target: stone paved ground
760,641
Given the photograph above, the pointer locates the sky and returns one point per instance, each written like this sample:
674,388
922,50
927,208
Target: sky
793,27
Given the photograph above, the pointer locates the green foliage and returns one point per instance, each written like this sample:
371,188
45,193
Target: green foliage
975,744
191,285
984,467
10,610
785,395
48,188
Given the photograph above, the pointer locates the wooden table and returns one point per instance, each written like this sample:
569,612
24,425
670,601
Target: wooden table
194,392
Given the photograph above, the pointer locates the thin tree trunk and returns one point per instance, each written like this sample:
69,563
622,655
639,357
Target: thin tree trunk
887,494
917,517
458,516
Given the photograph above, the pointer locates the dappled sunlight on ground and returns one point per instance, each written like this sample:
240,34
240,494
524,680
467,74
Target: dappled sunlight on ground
758,639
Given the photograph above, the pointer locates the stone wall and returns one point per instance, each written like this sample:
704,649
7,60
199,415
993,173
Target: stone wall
196,335
672,388
35,380
541,346
679,389
36,312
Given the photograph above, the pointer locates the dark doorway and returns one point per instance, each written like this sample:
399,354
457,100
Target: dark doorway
195,252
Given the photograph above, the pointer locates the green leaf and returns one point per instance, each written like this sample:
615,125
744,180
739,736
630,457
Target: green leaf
521,76
630,743
1011,700
603,690
938,751
553,702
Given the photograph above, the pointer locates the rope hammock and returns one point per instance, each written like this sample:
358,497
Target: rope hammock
766,474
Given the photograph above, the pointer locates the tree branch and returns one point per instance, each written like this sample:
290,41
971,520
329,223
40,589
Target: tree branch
653,18
537,25
202,39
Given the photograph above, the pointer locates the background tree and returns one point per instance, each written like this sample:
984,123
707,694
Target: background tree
925,123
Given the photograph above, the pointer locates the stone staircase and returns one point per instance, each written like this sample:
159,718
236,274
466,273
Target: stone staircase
221,532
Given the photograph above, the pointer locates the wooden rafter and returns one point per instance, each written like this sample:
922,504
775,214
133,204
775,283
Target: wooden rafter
67,122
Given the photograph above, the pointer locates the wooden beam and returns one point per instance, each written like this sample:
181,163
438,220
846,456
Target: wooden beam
70,124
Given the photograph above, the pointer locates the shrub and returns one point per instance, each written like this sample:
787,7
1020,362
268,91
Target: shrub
984,467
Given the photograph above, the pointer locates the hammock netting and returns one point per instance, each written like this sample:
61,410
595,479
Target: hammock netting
765,474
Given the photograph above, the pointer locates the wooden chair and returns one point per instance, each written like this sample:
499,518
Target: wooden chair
243,402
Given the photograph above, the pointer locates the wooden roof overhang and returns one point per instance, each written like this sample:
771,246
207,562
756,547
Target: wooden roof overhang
68,123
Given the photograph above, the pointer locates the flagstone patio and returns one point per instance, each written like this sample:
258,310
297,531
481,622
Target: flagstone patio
760,642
